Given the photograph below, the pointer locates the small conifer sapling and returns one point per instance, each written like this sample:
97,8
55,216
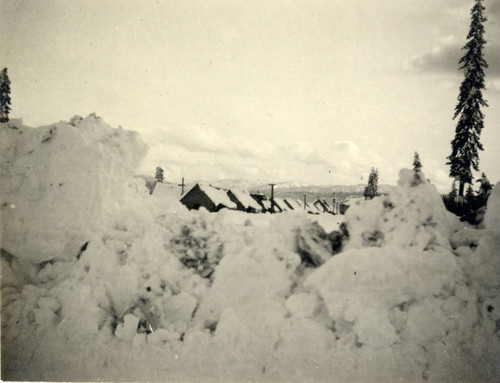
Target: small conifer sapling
371,190
4,96
417,165
159,174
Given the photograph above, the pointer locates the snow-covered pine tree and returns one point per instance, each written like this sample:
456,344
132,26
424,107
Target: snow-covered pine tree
464,147
484,188
371,190
4,96
417,165
159,174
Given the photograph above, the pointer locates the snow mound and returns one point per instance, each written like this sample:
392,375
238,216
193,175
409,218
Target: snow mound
160,293
57,181
412,216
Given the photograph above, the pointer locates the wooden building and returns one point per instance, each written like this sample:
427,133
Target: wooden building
244,201
211,198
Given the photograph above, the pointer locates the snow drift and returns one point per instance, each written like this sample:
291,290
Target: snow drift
161,293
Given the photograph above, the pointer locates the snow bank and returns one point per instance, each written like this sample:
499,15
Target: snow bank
57,181
161,293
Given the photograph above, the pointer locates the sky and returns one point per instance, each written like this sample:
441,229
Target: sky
312,91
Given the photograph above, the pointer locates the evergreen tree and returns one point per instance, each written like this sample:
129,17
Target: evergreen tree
469,196
484,188
417,165
464,154
159,174
371,190
4,96
453,193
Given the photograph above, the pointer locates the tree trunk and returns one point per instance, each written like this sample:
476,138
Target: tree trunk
461,189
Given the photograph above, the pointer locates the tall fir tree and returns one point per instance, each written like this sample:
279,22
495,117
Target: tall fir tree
464,147
4,96
371,190
417,165
159,174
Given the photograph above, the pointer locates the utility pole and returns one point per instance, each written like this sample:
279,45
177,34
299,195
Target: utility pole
182,185
272,197
305,195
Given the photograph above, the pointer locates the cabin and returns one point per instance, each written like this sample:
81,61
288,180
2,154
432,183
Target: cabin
244,201
211,198
290,204
324,206
280,205
262,200
320,205
297,204
311,209
268,206
335,207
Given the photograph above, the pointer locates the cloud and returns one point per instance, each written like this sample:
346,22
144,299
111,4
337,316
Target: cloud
444,57
197,139
493,10
198,154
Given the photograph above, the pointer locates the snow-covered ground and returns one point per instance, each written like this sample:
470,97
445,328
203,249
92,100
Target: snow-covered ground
103,281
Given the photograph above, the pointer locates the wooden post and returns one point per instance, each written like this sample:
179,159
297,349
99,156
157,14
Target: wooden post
272,198
182,185
305,201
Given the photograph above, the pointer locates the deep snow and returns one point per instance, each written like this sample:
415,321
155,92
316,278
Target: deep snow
103,281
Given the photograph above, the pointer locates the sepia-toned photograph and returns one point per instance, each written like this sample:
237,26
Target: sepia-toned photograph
250,191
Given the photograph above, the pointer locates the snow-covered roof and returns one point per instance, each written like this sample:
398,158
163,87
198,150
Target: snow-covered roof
321,205
325,202
290,203
281,203
245,199
267,204
218,196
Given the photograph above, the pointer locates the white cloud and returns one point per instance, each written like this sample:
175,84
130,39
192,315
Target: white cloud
198,153
447,50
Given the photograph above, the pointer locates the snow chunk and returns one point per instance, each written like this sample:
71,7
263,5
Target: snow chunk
412,216
128,329
302,305
162,336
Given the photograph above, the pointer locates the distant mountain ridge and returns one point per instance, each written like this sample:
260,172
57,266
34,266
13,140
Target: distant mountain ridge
340,192
297,189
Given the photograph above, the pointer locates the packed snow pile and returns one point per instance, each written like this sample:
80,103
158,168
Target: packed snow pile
57,182
400,291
